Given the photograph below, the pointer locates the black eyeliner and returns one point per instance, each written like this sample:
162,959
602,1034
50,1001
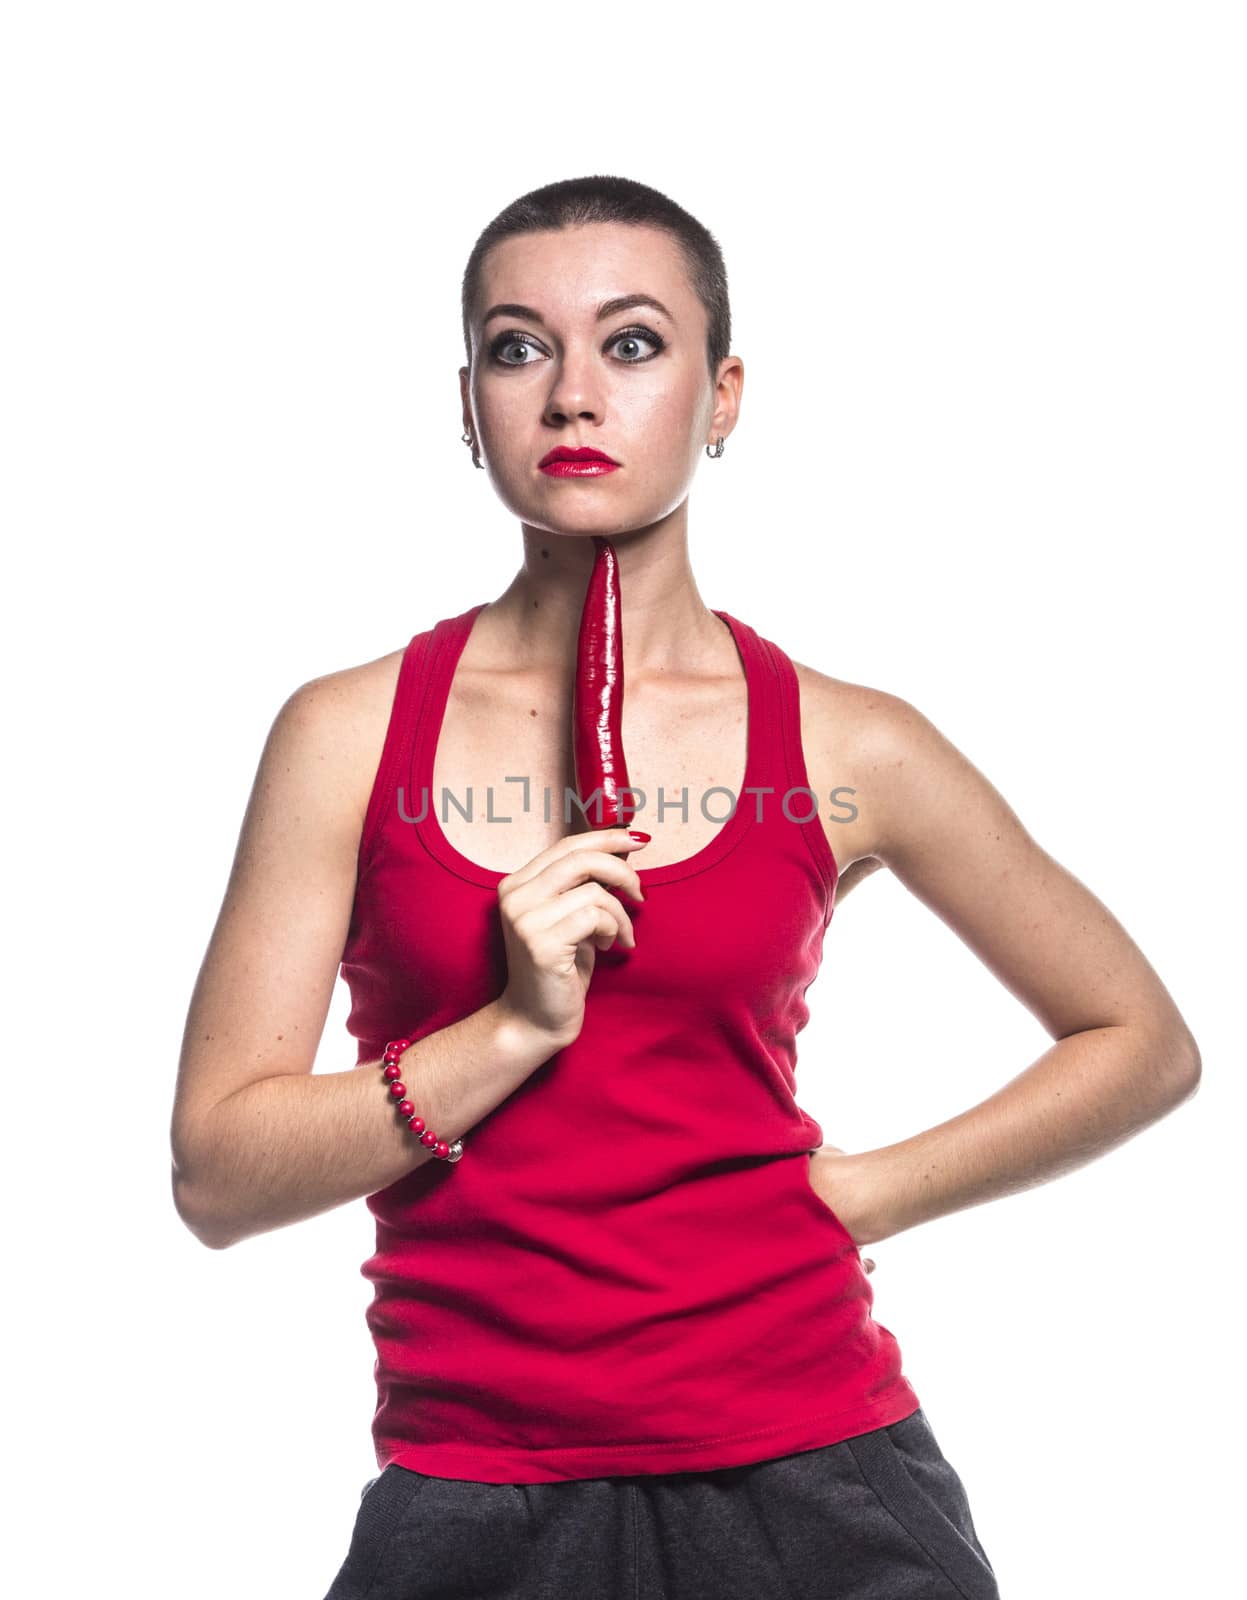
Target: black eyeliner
514,336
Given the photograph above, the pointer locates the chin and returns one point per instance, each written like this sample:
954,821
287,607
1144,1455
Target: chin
583,526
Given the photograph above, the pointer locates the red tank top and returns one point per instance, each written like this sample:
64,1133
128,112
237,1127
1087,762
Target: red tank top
628,1271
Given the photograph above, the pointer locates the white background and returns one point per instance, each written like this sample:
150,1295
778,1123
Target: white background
987,268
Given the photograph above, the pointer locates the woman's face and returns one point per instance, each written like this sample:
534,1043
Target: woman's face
550,370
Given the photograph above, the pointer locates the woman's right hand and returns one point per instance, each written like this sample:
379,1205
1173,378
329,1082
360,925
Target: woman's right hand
556,914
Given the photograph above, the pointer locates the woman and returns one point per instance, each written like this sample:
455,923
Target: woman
623,1327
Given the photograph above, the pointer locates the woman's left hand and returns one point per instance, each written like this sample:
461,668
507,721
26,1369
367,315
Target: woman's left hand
829,1177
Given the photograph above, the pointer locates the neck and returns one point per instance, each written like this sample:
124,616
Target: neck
666,624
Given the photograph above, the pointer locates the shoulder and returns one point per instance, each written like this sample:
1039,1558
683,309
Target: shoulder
915,787
862,717
866,744
860,712
329,732
343,705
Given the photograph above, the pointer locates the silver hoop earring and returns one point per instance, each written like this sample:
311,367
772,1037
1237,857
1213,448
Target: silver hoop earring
717,451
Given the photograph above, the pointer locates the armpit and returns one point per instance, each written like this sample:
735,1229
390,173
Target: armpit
854,873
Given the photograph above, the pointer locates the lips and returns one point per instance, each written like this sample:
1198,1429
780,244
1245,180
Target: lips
584,462
564,452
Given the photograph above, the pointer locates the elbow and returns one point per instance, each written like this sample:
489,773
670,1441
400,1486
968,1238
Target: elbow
198,1217
1186,1066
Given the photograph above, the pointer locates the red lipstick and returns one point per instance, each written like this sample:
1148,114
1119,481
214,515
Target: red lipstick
564,462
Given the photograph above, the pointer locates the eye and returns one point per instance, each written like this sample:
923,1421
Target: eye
509,341
634,336
512,340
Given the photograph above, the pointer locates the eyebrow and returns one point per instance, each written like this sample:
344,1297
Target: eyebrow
608,308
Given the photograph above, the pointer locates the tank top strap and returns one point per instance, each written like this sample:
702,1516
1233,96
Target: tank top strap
446,640
776,768
393,770
787,694
777,752
774,735
768,743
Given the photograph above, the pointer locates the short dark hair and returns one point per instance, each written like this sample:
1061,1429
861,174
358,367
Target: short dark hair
602,198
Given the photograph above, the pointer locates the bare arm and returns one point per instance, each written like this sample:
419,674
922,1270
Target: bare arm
288,1147
1123,1056
258,1140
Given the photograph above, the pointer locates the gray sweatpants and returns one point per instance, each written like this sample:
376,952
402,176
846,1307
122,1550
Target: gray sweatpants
883,1516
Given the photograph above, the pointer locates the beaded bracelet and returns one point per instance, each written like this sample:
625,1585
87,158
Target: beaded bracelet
392,1075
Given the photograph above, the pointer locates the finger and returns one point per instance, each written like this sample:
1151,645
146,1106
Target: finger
566,868
868,1264
554,916
596,922
600,839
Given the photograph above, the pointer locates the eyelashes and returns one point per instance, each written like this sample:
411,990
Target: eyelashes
512,337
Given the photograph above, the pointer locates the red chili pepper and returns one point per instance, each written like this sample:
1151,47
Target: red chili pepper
597,712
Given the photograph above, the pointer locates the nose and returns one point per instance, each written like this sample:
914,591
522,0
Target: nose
574,393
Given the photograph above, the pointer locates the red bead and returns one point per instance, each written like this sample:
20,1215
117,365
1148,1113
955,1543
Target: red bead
428,1138
398,1044
406,1109
393,1071
442,1148
417,1124
398,1090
